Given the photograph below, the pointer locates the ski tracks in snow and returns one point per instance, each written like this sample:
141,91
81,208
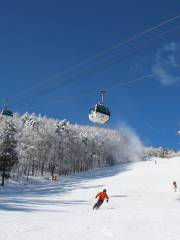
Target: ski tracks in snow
142,206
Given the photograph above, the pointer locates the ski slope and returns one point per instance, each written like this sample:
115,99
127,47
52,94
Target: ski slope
142,206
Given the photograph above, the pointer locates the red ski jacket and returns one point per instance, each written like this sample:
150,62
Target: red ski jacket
102,196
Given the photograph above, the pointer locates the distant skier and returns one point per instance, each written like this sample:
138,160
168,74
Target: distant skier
101,197
175,186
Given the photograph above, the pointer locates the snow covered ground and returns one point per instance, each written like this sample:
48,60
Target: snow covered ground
142,206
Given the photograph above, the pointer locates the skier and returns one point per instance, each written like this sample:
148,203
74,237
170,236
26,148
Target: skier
101,197
175,186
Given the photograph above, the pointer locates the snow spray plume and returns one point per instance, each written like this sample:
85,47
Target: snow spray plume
131,147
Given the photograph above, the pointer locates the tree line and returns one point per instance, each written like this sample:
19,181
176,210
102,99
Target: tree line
35,145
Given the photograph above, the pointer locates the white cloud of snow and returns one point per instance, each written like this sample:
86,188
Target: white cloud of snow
133,149
166,65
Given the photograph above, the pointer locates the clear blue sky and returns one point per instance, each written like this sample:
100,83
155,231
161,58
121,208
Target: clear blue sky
41,38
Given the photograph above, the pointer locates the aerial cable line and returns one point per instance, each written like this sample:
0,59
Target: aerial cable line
122,84
104,63
90,71
78,73
163,23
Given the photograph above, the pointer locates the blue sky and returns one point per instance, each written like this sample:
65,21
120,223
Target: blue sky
41,38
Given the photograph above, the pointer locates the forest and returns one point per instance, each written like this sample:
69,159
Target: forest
32,145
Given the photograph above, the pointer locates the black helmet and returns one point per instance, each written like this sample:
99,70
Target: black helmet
104,190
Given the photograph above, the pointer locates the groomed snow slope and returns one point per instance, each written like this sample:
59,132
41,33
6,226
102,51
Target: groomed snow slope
142,206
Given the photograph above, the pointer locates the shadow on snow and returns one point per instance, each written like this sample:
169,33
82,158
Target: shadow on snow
31,197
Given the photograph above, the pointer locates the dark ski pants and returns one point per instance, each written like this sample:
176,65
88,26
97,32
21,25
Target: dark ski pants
98,204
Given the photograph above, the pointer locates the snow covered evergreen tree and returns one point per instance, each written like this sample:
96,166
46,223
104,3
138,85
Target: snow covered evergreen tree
8,152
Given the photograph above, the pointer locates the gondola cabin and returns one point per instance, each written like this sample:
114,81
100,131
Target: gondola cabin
99,113
7,113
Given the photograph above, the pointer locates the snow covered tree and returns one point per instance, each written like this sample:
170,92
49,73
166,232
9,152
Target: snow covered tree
8,152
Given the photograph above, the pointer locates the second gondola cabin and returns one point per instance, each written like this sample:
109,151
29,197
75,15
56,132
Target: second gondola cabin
6,113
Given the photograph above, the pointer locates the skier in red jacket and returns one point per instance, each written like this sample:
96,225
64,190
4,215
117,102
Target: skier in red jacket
101,197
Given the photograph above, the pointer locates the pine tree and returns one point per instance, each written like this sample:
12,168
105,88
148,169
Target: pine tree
8,153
